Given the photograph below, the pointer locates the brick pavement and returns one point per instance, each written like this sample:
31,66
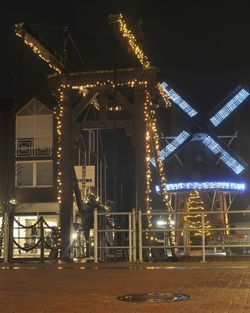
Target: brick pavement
74,289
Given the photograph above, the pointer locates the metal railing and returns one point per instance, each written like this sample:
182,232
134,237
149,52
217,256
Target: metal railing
105,235
222,236
125,236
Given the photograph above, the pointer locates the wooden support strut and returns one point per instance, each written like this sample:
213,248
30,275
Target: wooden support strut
123,76
66,207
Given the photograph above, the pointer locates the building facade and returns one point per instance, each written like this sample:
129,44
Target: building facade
28,172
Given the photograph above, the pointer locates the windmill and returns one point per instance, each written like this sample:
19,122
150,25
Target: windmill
202,131
220,193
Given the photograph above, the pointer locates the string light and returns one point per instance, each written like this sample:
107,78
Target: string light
91,196
194,221
2,234
58,115
164,95
128,35
83,88
152,133
148,177
35,49
143,59
114,108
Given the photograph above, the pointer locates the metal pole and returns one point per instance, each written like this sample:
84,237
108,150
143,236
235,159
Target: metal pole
203,238
6,238
130,237
42,239
134,234
140,235
97,163
95,236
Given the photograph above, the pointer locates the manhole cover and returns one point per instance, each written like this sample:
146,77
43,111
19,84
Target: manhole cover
154,297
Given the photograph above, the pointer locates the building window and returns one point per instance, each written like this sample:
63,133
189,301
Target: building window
34,174
34,130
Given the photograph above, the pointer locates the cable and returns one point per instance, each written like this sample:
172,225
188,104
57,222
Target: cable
45,26
77,51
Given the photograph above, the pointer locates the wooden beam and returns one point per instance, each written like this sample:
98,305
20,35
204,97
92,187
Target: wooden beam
66,206
121,99
106,124
77,193
89,78
83,104
46,53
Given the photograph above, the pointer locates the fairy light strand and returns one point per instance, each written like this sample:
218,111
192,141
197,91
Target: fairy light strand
148,191
152,132
194,220
128,35
164,95
38,52
58,115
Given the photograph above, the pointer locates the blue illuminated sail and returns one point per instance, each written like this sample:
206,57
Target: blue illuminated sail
172,146
182,104
229,107
224,155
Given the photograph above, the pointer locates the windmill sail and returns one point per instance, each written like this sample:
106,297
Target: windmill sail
172,146
182,104
230,106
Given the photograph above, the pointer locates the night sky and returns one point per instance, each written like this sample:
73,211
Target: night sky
202,49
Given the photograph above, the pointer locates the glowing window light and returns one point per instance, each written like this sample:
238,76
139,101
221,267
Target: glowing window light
170,148
161,223
229,107
179,101
230,186
224,156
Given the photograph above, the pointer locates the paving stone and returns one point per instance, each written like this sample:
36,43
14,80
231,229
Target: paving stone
71,290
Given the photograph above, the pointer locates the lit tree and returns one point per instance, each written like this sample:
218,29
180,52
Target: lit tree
194,221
